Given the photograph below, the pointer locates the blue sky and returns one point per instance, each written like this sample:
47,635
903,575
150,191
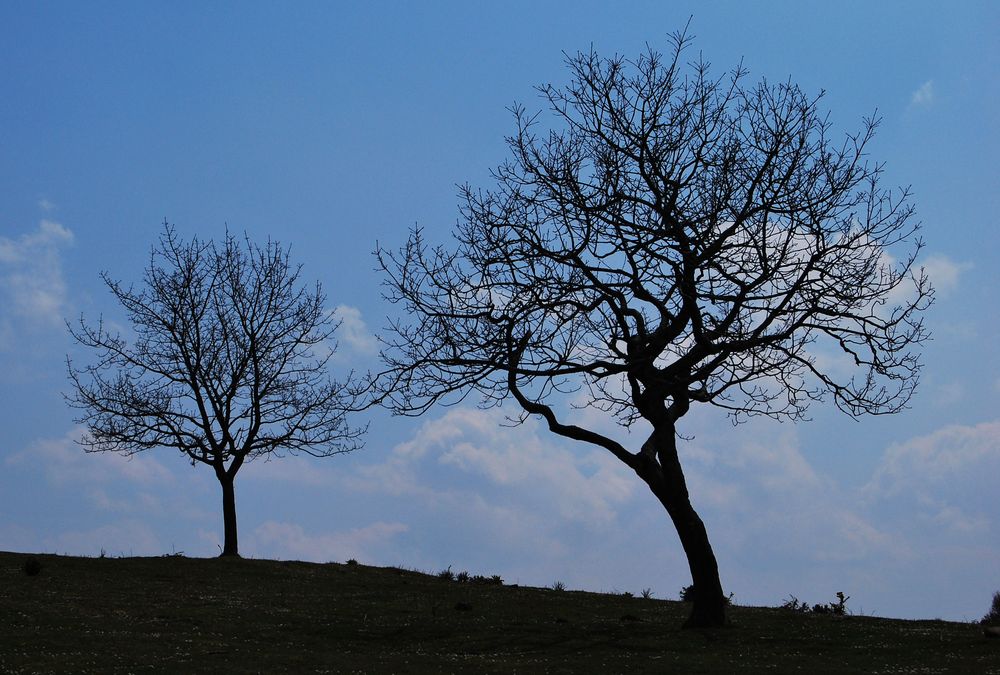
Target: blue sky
330,127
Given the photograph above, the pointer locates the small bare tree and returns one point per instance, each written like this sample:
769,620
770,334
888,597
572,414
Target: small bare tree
673,239
227,364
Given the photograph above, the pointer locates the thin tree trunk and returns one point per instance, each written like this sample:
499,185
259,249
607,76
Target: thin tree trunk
231,545
666,480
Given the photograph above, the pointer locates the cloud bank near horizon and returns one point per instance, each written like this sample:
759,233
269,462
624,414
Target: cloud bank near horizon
465,491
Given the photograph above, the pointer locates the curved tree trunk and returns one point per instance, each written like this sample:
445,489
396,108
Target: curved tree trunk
231,545
709,607
665,479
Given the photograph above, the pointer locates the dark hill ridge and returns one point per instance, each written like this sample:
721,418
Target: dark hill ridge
176,614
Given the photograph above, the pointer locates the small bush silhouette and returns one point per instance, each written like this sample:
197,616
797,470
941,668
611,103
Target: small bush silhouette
792,604
992,617
32,567
352,561
558,586
447,574
647,593
838,608
462,576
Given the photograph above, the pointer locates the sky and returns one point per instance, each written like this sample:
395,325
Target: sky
331,127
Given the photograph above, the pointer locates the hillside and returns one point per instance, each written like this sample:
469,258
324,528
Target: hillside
176,614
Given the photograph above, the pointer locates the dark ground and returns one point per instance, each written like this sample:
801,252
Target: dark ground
175,614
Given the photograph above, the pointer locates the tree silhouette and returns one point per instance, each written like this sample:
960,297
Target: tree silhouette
226,365
672,239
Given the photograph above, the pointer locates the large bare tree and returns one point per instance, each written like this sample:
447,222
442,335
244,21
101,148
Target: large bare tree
672,238
227,364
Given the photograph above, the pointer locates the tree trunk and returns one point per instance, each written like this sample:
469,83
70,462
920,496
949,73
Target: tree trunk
666,480
231,545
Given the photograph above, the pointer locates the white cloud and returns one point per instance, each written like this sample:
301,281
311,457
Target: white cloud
353,331
283,540
466,492
46,205
108,483
956,465
31,281
517,501
924,95
938,493
926,519
64,462
768,501
584,484
944,273
27,246
536,509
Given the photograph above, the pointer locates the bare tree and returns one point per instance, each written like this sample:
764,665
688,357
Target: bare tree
673,239
227,364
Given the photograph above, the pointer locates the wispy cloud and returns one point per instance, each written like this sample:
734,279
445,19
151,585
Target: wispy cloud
769,501
490,493
944,466
353,331
282,540
101,500
944,273
31,279
473,448
779,525
64,462
924,95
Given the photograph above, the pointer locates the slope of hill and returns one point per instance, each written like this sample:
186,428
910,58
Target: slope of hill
176,614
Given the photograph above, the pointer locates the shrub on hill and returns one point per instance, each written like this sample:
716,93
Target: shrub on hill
992,617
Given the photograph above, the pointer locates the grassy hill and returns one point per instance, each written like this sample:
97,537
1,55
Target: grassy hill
175,614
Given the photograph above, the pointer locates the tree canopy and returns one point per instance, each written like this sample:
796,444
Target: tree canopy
226,363
668,238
